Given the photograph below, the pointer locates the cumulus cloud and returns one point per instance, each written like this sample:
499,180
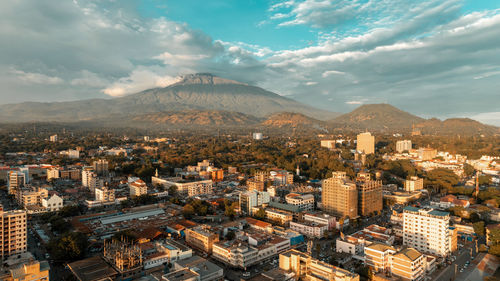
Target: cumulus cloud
36,78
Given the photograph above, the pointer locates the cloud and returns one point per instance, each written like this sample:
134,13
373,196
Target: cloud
491,118
331,72
37,78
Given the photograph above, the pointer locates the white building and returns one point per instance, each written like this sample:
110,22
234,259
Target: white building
138,188
184,186
305,201
103,194
427,230
257,136
322,218
309,229
53,203
403,145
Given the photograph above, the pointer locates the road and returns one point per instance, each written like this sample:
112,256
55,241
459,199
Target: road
463,256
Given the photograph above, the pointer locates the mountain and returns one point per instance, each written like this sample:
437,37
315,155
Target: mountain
290,119
192,92
198,118
456,126
377,117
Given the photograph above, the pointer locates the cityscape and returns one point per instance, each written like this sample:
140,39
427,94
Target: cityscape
298,140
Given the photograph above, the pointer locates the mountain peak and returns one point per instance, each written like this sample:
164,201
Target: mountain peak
205,79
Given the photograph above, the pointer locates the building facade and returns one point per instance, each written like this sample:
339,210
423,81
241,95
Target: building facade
339,196
13,227
365,143
370,197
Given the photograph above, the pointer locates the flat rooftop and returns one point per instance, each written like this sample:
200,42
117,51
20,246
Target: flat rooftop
94,268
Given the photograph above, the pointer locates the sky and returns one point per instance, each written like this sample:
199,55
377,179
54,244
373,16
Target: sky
432,58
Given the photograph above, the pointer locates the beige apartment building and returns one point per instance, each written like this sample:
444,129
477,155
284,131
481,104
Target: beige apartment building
370,197
307,268
138,188
414,183
201,238
427,230
13,227
339,196
403,145
407,264
305,201
365,143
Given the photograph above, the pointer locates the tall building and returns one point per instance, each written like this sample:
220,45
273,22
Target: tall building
53,173
365,143
201,238
53,138
13,228
427,230
250,199
339,196
403,145
16,181
414,183
104,194
101,167
90,180
138,188
370,197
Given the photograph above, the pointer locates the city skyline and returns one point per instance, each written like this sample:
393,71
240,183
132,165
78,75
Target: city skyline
334,55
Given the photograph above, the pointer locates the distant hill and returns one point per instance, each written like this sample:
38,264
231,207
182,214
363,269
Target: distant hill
193,92
198,117
456,126
290,119
376,117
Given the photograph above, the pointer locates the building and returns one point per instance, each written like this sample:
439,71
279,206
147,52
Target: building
257,136
365,143
309,229
73,154
250,199
307,268
276,215
330,144
53,138
305,201
53,173
13,228
101,167
355,243
427,153
339,196
52,203
321,218
201,238
255,184
427,230
370,198
104,194
89,178
189,187
217,175
72,174
403,145
407,264
16,181
280,178
24,267
31,196
414,183
138,188
207,270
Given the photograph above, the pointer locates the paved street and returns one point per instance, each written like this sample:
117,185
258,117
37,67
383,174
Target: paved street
463,256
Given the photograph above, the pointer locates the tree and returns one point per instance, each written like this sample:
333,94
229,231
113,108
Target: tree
69,247
468,170
172,190
188,211
495,250
260,214
479,228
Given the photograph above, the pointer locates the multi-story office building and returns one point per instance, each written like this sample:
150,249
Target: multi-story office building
104,194
53,173
72,174
138,188
307,268
53,138
101,167
378,256
201,238
321,218
281,177
414,183
250,199
370,198
13,228
339,196
427,230
304,201
89,178
31,196
16,181
403,145
365,143
254,184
